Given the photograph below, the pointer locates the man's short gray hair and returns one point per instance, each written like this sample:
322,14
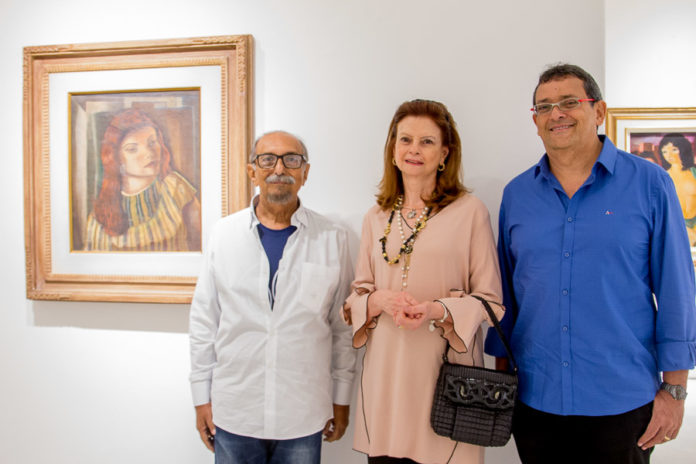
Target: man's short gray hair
252,155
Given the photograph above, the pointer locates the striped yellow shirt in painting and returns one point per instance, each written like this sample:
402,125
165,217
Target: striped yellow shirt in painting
155,221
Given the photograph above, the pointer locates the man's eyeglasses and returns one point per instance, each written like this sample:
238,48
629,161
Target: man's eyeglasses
269,160
563,105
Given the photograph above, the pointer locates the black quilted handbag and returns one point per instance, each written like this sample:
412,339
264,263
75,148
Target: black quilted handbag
474,404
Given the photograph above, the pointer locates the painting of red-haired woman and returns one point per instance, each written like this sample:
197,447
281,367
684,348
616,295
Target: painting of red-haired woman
143,203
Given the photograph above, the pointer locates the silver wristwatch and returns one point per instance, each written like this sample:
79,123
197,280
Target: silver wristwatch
677,391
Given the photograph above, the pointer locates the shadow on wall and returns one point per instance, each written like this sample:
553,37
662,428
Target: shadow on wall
169,318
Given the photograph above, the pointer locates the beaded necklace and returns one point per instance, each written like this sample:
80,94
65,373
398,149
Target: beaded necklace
406,243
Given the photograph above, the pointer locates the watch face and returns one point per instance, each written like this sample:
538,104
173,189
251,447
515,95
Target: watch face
680,392
677,391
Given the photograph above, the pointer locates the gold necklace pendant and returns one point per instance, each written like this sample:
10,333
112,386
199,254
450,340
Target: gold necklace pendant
411,214
407,244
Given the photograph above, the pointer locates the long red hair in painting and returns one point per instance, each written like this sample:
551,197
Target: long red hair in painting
107,207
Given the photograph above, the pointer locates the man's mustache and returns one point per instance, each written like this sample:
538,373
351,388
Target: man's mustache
280,179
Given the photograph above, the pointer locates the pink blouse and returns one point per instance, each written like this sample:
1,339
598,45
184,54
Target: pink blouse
453,257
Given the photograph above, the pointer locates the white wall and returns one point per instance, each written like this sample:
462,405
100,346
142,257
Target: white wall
650,53
107,383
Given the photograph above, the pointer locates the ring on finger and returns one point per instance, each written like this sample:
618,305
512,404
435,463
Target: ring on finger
667,438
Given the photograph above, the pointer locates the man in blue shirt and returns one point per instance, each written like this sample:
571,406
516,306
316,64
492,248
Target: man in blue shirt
598,284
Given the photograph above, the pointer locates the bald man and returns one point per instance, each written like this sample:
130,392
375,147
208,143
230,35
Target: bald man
271,361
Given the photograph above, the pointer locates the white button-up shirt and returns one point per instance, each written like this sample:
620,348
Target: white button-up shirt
272,374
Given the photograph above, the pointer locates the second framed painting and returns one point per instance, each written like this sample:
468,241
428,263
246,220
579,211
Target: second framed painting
667,137
132,151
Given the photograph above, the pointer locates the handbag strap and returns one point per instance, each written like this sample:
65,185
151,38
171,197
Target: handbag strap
498,329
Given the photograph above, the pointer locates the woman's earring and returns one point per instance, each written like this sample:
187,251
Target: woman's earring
441,167
394,161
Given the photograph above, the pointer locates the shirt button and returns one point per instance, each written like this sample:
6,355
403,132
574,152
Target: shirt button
566,254
565,363
570,219
565,328
565,291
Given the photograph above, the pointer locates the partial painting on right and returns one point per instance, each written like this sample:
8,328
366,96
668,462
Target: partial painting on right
666,137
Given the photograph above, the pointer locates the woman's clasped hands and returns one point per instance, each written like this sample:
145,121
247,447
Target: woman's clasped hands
405,310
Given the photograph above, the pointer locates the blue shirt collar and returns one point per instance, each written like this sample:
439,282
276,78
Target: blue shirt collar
607,159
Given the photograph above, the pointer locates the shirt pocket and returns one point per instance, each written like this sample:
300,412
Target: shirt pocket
318,283
623,229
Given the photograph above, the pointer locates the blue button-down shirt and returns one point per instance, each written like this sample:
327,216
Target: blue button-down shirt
579,276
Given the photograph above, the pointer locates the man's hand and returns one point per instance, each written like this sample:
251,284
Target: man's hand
336,426
205,426
666,420
667,414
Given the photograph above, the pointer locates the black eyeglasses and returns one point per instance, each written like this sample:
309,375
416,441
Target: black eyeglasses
269,160
563,105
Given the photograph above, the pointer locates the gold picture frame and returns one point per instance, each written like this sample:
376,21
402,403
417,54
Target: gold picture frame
646,132
197,93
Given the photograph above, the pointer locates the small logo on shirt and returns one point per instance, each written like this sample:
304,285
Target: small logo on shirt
608,213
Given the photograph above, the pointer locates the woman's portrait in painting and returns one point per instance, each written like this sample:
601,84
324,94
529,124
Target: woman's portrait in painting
141,201
678,159
674,151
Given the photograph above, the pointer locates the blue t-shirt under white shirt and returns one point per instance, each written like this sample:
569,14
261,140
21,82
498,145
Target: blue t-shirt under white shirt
273,242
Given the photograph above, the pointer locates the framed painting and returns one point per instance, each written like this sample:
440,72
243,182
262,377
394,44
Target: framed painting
667,137
132,151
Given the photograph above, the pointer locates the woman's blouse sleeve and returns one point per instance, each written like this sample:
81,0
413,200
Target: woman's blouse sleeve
355,307
467,313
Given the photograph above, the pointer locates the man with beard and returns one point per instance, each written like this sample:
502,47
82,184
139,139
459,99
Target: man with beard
271,361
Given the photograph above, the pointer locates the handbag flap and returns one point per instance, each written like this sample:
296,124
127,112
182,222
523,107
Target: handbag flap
488,388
